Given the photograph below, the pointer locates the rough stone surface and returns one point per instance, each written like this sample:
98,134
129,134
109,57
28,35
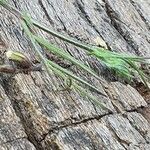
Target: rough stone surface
34,116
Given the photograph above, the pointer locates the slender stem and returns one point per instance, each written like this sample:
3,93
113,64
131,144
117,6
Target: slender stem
52,63
54,33
65,55
82,91
64,38
97,52
26,29
49,71
87,47
74,77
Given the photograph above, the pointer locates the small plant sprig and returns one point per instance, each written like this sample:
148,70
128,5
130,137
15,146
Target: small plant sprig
63,73
124,65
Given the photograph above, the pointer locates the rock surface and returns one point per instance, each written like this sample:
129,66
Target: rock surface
33,116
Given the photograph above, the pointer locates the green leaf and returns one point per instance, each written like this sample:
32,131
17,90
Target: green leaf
65,55
140,72
122,64
65,71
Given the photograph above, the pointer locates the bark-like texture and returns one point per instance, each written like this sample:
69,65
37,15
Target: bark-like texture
34,116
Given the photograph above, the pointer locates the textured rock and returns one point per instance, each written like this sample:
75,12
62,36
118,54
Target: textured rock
35,116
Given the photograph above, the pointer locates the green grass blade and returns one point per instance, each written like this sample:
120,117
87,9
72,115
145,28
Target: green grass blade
81,90
64,38
140,72
103,53
97,52
87,47
54,64
123,65
29,34
65,55
74,77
